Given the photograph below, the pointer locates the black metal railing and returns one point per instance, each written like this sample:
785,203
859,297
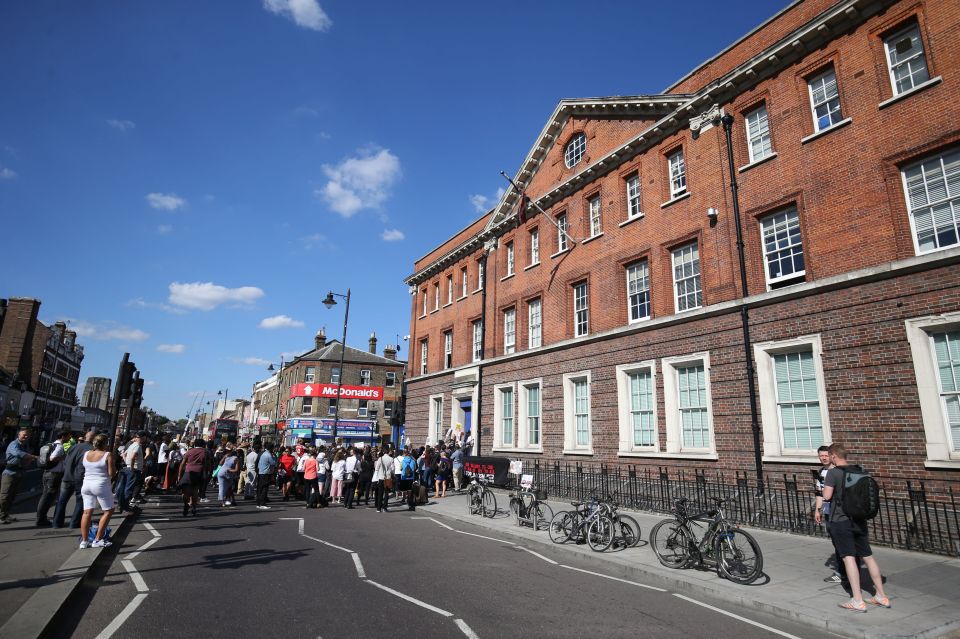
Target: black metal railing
910,517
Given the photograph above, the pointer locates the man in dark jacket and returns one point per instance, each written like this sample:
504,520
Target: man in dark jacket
72,482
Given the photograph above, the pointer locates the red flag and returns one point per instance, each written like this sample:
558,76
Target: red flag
522,208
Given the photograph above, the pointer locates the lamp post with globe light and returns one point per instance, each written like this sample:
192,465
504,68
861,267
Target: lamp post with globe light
329,302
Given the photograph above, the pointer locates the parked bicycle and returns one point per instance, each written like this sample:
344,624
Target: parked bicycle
735,552
596,522
482,501
528,508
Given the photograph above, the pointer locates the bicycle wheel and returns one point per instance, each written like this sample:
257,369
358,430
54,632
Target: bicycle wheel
543,513
739,558
671,543
635,527
624,535
561,525
600,533
514,506
489,506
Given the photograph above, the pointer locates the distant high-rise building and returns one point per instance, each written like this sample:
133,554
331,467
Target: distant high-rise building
96,393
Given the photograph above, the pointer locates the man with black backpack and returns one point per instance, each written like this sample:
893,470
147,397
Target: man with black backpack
854,499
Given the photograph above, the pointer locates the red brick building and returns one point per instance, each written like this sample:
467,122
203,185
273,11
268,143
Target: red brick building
620,340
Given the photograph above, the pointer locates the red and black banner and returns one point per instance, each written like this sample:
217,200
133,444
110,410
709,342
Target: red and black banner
495,470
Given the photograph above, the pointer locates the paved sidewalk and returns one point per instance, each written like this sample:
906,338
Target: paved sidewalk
922,587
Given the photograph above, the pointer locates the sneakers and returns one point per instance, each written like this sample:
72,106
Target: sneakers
204,500
832,579
883,602
84,544
263,507
854,606
101,543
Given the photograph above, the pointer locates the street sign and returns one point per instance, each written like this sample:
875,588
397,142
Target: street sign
516,467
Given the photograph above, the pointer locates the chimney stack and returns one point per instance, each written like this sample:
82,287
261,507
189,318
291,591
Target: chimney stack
320,340
373,342
390,351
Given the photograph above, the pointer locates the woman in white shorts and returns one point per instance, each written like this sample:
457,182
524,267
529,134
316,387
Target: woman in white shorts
96,490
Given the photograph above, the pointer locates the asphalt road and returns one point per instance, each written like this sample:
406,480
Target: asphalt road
248,573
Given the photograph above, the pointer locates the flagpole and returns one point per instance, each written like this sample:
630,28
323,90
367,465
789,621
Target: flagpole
550,219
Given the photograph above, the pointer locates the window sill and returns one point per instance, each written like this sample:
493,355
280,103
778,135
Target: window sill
945,464
532,451
527,268
906,94
447,304
677,455
832,127
636,217
673,201
638,453
559,253
578,451
502,449
591,238
421,316
791,459
477,291
436,310
507,277
462,297
747,167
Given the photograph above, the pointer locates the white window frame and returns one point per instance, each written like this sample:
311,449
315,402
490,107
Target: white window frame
570,445
363,408
697,277
523,415
677,169
594,210
424,353
581,304
335,376
628,446
306,407
534,246
646,278
447,349
391,379
365,377
952,200
477,333
481,275
449,289
562,233
465,284
763,355
671,406
499,416
510,331
575,149
436,296
759,119
424,314
436,418
332,406
819,78
535,323
510,259
632,187
920,330
797,276
891,40
310,374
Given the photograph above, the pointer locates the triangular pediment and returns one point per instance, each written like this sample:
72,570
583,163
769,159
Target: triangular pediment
606,124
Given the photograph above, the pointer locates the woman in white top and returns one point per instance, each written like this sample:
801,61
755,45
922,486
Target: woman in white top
97,489
338,469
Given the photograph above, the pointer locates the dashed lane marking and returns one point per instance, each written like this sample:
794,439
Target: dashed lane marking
439,523
738,617
327,543
122,617
465,629
151,529
625,581
422,604
356,562
150,542
134,575
536,554
464,532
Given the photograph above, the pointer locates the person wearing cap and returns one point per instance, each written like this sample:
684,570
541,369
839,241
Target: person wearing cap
132,473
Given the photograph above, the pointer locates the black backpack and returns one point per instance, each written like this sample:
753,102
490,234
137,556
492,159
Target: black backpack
860,496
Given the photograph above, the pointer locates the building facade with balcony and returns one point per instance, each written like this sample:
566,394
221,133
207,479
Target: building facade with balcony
603,324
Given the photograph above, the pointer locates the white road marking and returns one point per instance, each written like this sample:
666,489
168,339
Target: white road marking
439,523
151,529
464,532
465,629
134,575
536,554
300,519
123,616
148,520
422,604
300,527
626,581
743,619
356,562
422,518
327,543
150,542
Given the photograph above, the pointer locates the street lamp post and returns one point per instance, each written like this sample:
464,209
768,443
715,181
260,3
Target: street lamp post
276,407
329,302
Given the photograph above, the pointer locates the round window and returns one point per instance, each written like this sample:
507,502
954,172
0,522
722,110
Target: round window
575,149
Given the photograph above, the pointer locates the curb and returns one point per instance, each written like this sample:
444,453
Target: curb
34,618
847,629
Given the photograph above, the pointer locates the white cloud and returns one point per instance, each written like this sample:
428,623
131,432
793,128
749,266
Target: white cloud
165,201
360,182
171,348
107,331
150,382
206,296
252,361
305,13
7,174
121,125
139,302
482,203
392,235
280,321
163,229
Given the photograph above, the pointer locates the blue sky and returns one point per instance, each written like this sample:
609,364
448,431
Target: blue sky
185,180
